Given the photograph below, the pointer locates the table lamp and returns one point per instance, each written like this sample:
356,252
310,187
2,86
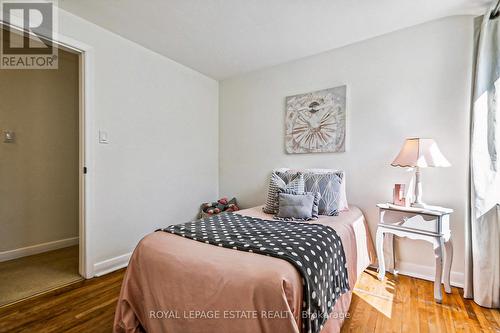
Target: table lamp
420,153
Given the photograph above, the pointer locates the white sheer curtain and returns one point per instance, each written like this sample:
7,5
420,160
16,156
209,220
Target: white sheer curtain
482,271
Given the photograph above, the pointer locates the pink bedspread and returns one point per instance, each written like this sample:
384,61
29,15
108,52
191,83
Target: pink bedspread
174,284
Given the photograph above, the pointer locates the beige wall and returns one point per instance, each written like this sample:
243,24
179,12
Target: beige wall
39,172
413,82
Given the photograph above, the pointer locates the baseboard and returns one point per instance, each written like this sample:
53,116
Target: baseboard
38,248
427,273
110,265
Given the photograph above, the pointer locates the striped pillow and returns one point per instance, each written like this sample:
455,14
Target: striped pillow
281,181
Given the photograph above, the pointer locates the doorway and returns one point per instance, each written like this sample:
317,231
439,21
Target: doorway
41,177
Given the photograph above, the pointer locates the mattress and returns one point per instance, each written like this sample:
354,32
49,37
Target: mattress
174,284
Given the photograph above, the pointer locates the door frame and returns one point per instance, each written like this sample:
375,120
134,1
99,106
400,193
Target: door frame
86,149
86,152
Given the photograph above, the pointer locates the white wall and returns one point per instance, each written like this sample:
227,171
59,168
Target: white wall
161,162
414,82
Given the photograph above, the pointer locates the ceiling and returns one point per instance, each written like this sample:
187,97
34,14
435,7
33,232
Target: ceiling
224,38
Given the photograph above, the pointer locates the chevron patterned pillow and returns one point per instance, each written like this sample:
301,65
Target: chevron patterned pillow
329,186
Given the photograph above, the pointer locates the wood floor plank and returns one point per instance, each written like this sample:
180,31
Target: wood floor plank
496,316
417,321
483,318
410,307
459,317
397,304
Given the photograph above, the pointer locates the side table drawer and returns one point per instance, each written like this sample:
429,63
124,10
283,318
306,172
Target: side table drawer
406,220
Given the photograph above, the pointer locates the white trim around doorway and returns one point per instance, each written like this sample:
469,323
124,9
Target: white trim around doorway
86,52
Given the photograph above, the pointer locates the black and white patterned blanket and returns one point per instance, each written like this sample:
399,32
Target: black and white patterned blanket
314,249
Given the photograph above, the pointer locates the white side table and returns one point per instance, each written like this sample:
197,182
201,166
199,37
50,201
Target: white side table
431,224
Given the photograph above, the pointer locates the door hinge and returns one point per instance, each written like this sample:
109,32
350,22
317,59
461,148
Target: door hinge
84,170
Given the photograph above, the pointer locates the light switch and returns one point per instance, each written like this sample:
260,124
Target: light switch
9,136
103,137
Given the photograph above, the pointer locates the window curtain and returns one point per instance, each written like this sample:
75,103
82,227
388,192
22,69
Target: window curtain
482,266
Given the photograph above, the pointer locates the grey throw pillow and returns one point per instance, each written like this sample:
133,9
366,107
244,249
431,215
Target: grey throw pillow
297,206
281,181
329,185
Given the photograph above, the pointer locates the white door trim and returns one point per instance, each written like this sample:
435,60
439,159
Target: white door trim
86,150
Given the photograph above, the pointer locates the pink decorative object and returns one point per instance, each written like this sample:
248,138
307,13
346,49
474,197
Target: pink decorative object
399,195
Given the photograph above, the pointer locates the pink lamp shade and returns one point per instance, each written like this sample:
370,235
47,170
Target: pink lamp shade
421,153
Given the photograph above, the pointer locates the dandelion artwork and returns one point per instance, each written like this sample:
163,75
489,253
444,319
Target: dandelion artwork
316,122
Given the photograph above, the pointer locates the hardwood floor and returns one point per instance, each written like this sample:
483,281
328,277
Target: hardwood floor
405,304
86,306
400,304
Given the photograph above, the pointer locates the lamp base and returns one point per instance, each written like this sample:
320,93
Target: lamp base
418,191
419,205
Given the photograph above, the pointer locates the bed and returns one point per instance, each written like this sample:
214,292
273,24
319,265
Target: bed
174,284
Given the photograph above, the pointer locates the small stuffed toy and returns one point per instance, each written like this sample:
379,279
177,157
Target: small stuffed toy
232,206
221,205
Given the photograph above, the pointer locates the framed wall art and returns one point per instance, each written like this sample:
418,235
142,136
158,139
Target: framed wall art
316,122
